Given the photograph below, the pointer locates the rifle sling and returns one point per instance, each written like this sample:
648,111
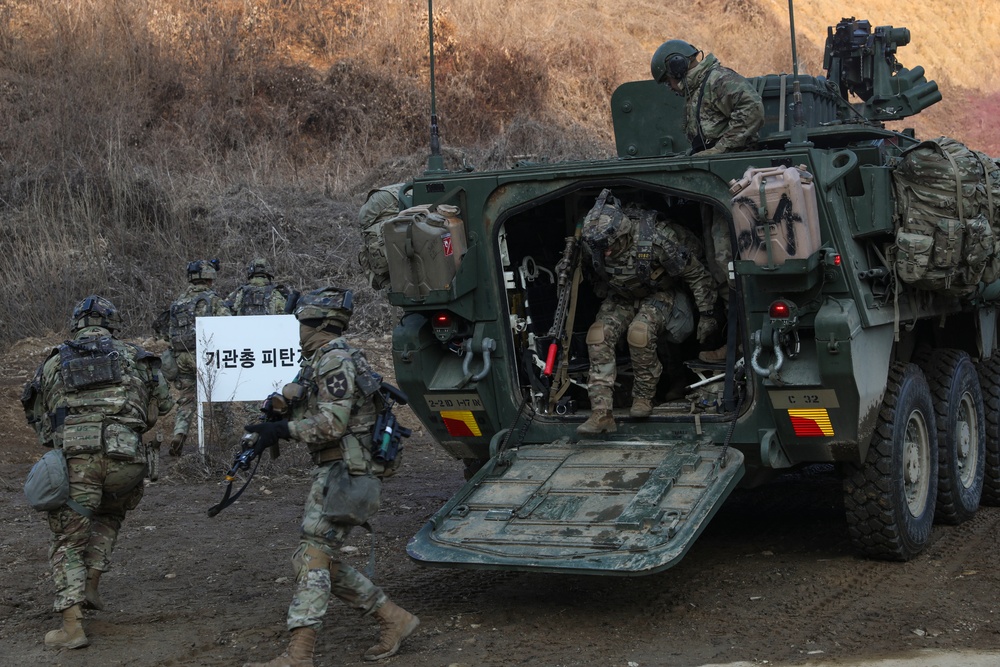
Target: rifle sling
561,380
226,499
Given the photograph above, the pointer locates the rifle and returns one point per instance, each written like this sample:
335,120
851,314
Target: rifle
274,408
562,324
387,431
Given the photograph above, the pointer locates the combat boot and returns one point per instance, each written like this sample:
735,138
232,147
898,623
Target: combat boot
299,653
714,356
397,624
599,421
91,595
177,444
641,407
71,634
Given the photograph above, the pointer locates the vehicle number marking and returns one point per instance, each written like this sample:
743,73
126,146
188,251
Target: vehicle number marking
439,402
804,398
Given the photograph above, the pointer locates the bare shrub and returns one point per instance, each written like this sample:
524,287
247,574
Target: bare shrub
141,135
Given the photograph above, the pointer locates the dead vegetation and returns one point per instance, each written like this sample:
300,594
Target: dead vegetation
141,135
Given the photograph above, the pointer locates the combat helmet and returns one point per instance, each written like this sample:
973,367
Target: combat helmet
202,269
326,305
605,223
259,267
672,59
95,311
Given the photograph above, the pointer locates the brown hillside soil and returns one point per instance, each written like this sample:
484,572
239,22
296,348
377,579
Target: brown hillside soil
773,580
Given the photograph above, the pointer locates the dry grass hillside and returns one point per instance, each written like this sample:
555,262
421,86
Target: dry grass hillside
140,135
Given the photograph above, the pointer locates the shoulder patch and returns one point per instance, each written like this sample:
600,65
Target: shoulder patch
337,384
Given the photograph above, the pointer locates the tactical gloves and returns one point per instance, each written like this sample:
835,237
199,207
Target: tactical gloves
268,434
707,325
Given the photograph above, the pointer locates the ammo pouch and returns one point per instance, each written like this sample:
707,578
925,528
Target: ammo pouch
123,444
82,434
350,499
89,434
357,454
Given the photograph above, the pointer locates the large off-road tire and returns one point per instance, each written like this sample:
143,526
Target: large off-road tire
890,498
989,379
961,434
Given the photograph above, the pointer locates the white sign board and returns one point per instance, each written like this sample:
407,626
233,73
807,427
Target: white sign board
244,358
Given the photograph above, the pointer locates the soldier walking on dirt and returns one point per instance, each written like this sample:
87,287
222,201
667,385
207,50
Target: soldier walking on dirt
93,398
722,113
639,266
180,364
332,408
259,295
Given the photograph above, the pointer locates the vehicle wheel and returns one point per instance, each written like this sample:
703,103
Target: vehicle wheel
961,428
989,380
890,497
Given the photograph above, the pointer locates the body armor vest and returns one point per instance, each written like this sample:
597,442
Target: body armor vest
183,336
635,278
256,300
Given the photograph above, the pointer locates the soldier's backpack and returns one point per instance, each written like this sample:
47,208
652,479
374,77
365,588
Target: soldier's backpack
181,331
944,199
47,485
256,299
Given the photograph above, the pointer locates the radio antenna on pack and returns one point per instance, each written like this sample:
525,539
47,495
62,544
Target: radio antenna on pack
435,163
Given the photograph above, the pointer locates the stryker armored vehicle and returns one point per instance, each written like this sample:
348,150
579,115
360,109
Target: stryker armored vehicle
857,335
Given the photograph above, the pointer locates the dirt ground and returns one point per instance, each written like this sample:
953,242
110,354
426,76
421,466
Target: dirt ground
773,580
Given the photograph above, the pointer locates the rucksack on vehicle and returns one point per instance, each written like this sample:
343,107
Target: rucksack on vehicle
945,238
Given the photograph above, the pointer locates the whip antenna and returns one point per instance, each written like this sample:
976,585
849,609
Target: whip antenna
435,163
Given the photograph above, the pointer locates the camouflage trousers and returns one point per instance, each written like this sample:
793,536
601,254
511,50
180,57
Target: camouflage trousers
668,313
718,247
318,572
108,488
186,384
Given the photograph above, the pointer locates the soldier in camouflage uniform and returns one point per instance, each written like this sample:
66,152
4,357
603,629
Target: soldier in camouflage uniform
722,113
198,300
640,266
381,205
259,295
93,398
332,410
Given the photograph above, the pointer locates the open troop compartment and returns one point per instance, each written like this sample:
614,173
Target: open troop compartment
531,242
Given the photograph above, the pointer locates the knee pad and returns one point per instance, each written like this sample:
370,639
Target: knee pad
595,334
310,557
638,334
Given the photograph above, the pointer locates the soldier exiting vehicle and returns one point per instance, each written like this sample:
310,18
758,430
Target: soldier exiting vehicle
639,266
198,300
333,406
722,113
93,398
